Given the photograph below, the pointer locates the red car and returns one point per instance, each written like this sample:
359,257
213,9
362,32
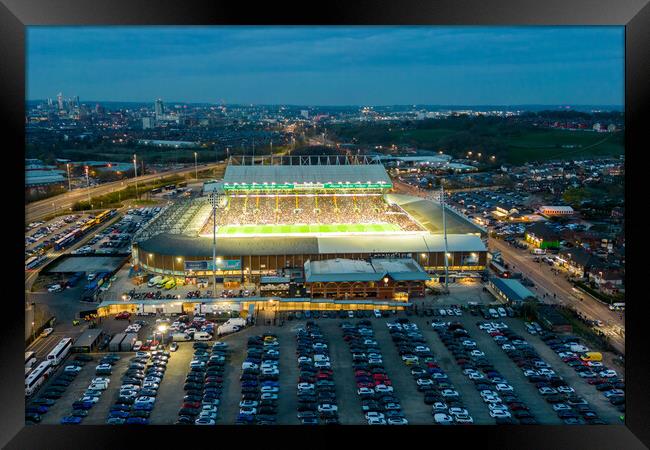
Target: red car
365,385
191,405
385,382
123,315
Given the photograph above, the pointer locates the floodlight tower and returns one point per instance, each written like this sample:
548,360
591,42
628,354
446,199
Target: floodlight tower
213,199
444,228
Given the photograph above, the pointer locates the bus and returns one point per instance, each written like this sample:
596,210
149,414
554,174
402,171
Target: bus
37,377
60,351
501,271
617,307
34,262
30,359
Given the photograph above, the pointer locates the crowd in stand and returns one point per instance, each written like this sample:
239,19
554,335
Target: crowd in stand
321,209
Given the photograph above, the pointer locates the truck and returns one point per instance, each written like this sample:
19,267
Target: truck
181,337
202,336
231,326
128,342
592,356
145,309
114,345
154,281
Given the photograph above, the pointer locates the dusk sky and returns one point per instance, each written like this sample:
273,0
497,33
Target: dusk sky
330,65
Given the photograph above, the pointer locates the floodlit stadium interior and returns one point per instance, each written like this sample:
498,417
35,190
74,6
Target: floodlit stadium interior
267,220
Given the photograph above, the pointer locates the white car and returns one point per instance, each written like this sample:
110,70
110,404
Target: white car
497,407
443,419
463,419
374,415
98,386
46,332
269,396
137,346
565,389
142,354
55,288
145,399
269,389
499,414
594,364
377,313
374,421
456,411
397,421
248,404
365,391
90,399
561,407
502,387
383,388
424,382
72,369
449,393
608,373
439,407
305,386
327,407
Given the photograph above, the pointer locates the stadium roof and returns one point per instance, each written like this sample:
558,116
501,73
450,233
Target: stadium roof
333,270
512,289
181,245
428,213
307,174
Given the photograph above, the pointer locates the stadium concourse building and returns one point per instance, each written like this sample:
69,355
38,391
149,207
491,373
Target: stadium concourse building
275,219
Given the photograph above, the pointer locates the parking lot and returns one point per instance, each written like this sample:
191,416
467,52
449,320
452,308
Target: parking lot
171,390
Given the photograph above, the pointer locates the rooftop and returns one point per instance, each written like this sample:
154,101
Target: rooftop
513,289
403,269
356,175
180,245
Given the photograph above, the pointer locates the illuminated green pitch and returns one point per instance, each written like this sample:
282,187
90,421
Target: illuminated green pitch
309,228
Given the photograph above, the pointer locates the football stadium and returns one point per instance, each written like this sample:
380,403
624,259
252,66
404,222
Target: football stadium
335,227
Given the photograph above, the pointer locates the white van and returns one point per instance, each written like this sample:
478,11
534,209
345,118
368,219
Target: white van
180,337
538,251
226,328
154,281
202,336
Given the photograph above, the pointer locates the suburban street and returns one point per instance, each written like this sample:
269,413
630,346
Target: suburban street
37,210
547,282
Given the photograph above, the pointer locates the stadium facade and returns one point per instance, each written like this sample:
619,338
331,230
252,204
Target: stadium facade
274,218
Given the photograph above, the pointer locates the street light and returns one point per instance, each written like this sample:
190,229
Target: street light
196,168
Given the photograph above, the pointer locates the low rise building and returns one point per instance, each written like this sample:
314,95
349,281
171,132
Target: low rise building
556,210
541,236
510,290
380,278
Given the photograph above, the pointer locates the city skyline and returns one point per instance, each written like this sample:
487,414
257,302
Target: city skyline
330,66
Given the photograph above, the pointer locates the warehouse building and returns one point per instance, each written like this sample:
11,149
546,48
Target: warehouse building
88,341
510,290
381,278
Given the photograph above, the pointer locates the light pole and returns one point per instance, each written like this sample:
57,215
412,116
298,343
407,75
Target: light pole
213,197
135,168
196,168
87,185
67,166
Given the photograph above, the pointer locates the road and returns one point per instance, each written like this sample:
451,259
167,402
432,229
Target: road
43,208
546,282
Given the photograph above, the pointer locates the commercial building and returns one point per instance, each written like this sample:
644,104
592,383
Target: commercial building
541,236
510,290
88,341
556,210
577,260
381,278
551,319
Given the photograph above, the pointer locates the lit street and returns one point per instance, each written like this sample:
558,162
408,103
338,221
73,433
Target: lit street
549,283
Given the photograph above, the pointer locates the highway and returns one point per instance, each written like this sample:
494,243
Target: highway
547,282
43,208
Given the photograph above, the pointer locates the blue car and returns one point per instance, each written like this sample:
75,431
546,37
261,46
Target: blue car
120,414
271,383
249,418
38,409
143,406
70,420
137,421
249,384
